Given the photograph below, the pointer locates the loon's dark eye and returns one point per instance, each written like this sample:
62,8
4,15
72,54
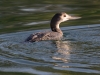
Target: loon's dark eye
64,15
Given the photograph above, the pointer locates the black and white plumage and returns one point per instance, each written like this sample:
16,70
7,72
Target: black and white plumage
56,33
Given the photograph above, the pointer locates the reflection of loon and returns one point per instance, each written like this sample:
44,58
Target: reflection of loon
56,33
63,51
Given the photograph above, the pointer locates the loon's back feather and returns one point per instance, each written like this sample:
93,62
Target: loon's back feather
44,36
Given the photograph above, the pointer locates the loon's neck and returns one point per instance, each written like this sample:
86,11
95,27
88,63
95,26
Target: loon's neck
55,27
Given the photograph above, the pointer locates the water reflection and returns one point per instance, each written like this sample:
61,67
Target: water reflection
35,23
27,70
49,8
63,51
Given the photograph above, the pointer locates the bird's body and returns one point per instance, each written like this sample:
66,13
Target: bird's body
56,33
50,35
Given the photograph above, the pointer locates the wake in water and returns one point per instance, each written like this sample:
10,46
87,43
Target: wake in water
79,51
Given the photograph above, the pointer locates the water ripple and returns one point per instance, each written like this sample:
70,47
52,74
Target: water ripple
79,51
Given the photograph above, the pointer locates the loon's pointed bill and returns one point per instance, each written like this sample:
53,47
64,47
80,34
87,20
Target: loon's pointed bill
73,17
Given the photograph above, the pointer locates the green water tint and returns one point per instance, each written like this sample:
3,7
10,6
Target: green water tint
15,14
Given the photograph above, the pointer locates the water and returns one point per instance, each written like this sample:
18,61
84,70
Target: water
77,54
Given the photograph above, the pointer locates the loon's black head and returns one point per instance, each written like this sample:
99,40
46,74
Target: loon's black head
58,18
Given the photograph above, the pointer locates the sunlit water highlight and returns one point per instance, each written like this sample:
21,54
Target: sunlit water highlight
79,51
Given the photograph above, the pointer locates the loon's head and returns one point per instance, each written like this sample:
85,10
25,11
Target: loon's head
58,18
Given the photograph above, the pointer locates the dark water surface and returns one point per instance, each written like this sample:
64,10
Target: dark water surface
77,54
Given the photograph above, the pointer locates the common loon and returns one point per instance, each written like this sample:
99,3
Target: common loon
56,33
